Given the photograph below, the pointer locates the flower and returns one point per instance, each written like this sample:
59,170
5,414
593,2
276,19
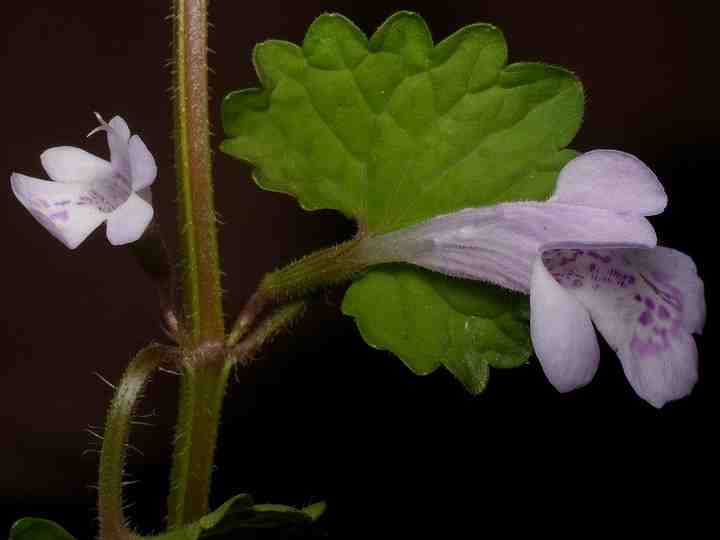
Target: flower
586,254
86,190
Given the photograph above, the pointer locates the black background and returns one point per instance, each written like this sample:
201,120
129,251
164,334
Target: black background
322,415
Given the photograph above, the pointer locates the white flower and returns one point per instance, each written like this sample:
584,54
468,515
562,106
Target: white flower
86,190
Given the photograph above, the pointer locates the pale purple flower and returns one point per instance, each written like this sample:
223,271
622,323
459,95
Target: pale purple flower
86,191
587,253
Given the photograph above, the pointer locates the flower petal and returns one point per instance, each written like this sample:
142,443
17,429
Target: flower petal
661,371
120,126
142,164
676,272
70,164
643,306
57,207
563,336
500,243
129,221
613,180
118,144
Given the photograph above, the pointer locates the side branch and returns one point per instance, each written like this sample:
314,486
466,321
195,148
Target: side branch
117,431
280,320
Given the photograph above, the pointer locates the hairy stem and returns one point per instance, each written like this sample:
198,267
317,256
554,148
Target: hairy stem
117,431
320,269
203,385
201,395
278,321
201,272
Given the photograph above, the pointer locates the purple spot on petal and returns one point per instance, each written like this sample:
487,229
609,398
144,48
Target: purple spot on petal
646,318
671,295
60,216
638,298
644,348
649,303
596,255
662,277
37,202
593,266
663,313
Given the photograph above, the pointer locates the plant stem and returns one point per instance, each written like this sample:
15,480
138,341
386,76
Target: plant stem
201,272
117,431
203,385
202,389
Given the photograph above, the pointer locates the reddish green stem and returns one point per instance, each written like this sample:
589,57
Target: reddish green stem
203,385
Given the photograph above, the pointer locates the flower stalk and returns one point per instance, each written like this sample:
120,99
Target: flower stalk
320,269
152,255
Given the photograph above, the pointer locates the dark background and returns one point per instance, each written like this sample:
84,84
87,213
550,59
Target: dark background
323,415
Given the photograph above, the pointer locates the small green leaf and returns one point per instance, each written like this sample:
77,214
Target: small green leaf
219,519
38,529
279,515
315,510
241,512
393,130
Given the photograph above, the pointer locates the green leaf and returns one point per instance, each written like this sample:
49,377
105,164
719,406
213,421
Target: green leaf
241,512
424,317
393,130
279,515
38,529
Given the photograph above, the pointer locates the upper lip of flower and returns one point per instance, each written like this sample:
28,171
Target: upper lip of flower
86,190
